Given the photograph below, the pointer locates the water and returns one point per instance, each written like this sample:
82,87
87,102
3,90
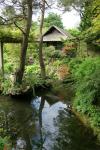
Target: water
43,123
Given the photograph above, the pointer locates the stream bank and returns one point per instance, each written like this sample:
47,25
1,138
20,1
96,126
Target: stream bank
86,121
69,88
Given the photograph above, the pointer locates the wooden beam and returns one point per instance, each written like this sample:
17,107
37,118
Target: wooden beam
1,58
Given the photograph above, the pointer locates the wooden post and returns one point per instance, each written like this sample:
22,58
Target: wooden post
1,58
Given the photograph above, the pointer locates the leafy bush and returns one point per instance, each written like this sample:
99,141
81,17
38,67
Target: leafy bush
87,77
54,67
4,144
32,75
70,48
9,67
6,86
51,52
74,32
90,24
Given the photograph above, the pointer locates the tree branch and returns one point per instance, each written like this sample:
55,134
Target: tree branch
19,27
47,4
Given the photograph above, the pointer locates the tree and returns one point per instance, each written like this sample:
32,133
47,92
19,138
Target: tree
19,13
86,16
78,5
20,71
74,32
43,6
90,25
13,12
42,66
53,19
90,15
71,3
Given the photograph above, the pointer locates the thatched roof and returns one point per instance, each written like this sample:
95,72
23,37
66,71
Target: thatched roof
55,33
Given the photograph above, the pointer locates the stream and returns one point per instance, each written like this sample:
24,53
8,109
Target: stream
44,123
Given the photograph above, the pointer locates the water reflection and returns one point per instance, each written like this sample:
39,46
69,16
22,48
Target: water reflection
73,135
38,140
48,128
45,123
16,121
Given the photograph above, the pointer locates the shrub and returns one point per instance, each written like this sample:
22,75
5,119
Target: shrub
70,48
87,77
8,67
6,86
32,75
51,52
4,143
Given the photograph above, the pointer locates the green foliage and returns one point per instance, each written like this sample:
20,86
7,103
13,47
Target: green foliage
50,52
74,32
7,86
87,77
86,16
9,33
1,80
70,47
90,22
54,59
13,34
4,142
12,56
8,67
32,75
74,64
32,52
9,12
68,4
53,19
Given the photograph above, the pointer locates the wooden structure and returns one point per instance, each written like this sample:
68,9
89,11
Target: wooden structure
55,36
2,42
9,39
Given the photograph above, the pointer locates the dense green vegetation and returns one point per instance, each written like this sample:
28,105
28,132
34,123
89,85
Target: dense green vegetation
90,22
53,19
86,71
87,88
4,143
70,65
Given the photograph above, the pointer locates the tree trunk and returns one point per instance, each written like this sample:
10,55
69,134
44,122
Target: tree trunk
41,61
1,59
20,71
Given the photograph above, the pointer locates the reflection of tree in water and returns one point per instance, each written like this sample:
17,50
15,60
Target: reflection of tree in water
38,143
3,123
40,121
6,114
73,135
